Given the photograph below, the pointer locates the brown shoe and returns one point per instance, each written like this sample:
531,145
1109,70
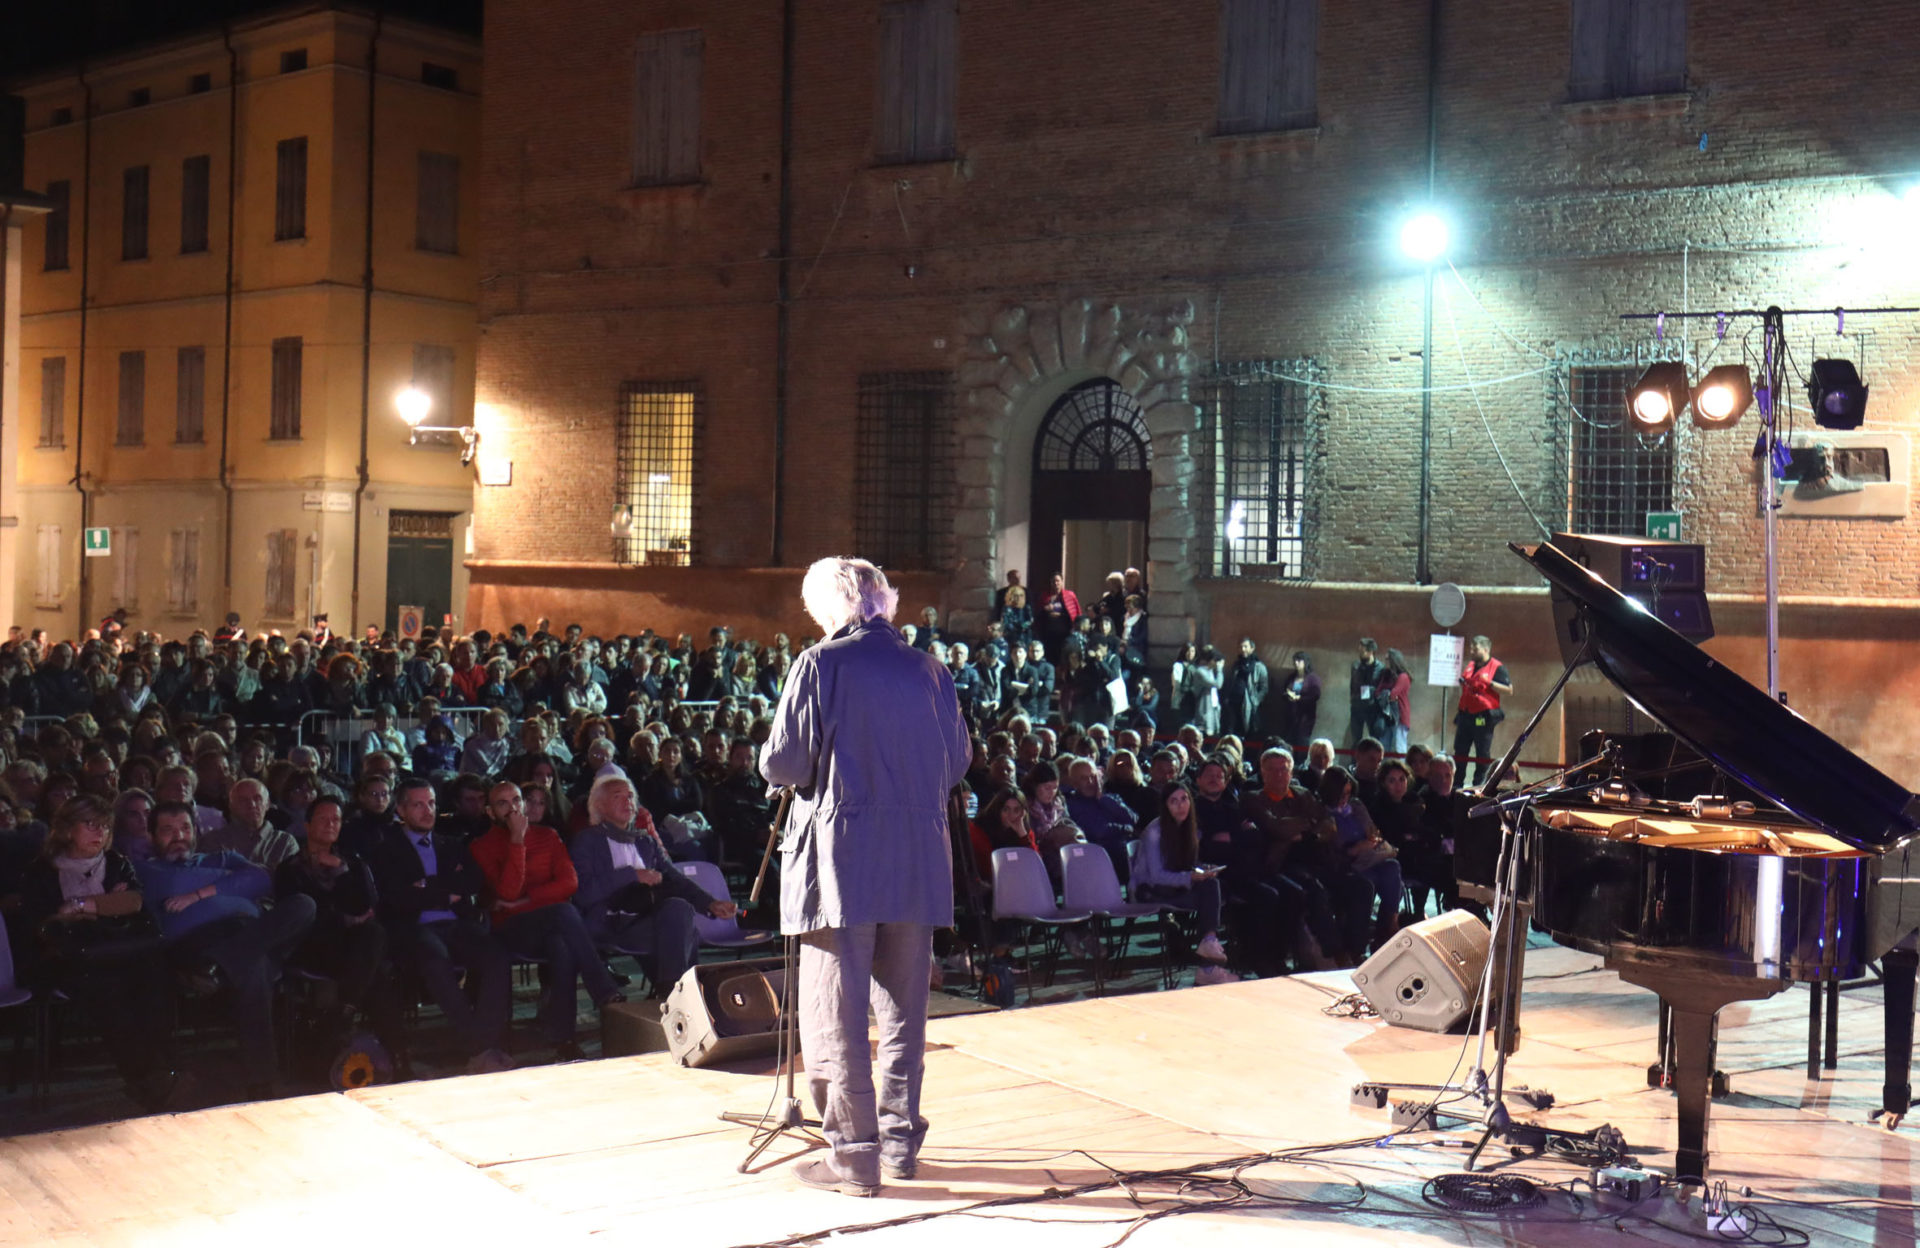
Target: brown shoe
820,1173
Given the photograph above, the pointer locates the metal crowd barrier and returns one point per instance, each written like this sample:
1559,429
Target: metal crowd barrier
342,733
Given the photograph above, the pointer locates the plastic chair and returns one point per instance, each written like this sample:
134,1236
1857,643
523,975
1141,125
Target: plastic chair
721,933
12,994
1022,891
1088,883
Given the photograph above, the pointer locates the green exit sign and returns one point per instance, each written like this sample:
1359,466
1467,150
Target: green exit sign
99,541
1664,525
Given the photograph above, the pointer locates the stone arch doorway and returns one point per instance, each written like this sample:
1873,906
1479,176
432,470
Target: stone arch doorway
1092,487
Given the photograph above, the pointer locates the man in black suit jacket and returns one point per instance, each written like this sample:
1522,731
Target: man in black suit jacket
427,886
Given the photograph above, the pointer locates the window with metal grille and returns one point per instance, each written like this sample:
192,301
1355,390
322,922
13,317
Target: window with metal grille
53,401
915,113
1095,427
656,491
1261,443
126,567
133,213
282,554
1615,477
286,388
290,189
130,429
47,580
183,571
196,176
58,220
190,395
1628,47
1269,58
666,121
437,206
903,474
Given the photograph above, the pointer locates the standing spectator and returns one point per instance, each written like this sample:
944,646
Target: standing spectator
1113,599
929,631
1301,709
1054,620
1362,678
1016,617
1002,595
1039,700
1205,675
532,883
1393,703
209,910
427,884
1483,682
1246,692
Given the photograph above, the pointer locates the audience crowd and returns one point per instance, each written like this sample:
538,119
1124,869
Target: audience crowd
198,824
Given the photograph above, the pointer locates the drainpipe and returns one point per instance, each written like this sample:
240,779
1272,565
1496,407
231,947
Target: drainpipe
1423,569
366,325
80,388
783,311
226,332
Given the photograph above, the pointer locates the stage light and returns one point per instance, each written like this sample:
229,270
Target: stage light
1722,397
1839,396
1656,399
414,404
1425,237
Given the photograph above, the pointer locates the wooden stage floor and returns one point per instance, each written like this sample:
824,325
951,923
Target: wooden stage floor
629,1150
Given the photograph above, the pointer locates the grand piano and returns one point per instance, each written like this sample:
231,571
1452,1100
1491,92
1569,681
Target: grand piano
1706,902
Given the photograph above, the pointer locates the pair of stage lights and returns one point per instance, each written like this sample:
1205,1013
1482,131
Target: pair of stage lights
1834,388
1718,402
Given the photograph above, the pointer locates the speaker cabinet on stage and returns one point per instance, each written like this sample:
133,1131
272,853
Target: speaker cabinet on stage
1427,976
725,1010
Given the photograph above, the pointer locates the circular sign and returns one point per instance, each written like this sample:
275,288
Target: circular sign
1448,605
409,625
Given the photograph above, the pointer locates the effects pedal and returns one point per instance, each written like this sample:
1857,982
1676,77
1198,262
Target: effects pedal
1630,1183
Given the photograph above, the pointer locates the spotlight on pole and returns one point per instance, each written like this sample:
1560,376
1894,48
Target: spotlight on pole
1425,236
1722,397
1839,396
1656,399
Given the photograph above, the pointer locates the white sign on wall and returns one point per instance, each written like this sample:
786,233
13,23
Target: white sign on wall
1445,653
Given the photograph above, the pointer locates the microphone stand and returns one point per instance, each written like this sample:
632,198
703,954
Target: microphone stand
770,1125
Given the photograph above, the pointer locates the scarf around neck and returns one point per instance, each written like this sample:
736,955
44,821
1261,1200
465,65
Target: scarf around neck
81,877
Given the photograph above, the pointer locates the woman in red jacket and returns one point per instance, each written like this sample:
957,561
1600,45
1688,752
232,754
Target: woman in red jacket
532,882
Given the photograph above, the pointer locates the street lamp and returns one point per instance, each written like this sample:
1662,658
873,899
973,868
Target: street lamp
415,405
1424,237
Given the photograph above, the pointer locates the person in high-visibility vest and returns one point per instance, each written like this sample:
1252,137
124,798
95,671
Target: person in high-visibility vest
1483,682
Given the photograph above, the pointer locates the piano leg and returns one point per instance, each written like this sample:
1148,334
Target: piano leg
1898,970
1815,992
1695,999
1831,1059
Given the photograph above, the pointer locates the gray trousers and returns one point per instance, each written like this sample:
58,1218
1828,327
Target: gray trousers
842,971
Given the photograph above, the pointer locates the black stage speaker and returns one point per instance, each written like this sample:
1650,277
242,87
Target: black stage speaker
724,1010
1427,976
1669,579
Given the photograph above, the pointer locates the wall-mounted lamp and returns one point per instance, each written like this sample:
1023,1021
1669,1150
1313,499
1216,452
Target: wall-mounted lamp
415,405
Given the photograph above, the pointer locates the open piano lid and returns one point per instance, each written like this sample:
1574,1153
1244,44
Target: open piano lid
1756,740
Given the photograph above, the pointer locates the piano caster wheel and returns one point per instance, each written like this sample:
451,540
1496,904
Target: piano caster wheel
1720,1086
1656,1076
1887,1120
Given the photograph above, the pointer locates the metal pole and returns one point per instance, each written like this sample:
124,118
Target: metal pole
1422,572
1774,332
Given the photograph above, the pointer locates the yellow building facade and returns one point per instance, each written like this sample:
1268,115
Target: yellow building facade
260,237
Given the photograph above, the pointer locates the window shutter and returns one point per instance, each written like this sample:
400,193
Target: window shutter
914,112
286,388
281,548
47,584
1659,47
290,189
133,213
58,221
126,568
668,70
131,429
196,174
190,395
1245,41
1295,98
53,401
437,205
433,373
183,571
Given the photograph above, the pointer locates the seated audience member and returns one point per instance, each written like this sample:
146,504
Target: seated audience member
209,909
427,883
668,792
247,830
90,936
468,818
1103,819
487,750
1047,815
1001,824
347,944
1124,782
1358,845
738,806
1167,869
1295,864
1440,814
384,735
439,752
133,824
290,790
531,883
1419,757
631,895
371,817
1368,754
1319,758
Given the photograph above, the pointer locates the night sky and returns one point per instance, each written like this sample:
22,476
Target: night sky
42,35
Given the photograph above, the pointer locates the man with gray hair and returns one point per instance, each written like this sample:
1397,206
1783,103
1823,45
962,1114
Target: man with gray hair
247,831
869,736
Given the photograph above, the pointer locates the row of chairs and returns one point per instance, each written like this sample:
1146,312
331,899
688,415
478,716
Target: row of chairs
1090,894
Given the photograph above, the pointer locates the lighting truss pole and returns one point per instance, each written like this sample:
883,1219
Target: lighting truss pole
1771,401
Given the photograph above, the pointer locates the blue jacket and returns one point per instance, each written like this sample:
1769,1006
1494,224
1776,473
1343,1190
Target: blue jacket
238,886
869,736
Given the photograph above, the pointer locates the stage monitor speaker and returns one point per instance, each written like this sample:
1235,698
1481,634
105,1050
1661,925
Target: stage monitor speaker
725,1010
1427,976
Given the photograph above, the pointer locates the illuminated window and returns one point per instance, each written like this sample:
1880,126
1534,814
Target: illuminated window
1259,455
655,492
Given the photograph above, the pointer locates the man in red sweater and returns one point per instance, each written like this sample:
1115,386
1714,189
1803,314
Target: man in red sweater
532,882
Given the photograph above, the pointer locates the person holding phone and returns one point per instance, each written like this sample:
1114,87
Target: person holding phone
1167,868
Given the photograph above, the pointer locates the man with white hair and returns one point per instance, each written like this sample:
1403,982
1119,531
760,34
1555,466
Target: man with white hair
869,736
247,831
